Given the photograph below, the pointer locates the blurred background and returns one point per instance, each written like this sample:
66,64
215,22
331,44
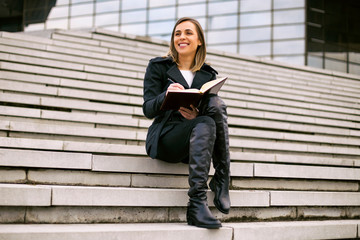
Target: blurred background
317,33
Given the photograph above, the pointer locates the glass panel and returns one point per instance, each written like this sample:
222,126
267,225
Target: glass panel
161,3
134,16
290,16
314,61
278,4
226,48
190,1
298,60
255,49
137,29
294,31
354,57
34,27
80,1
255,19
133,4
57,12
289,47
336,55
335,65
255,5
107,19
109,6
166,37
162,13
255,34
222,22
81,22
192,10
59,23
223,7
161,27
62,2
228,36
354,69
81,9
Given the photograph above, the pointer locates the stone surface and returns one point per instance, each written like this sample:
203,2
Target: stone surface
24,195
12,175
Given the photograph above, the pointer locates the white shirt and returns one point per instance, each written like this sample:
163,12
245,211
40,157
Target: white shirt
188,75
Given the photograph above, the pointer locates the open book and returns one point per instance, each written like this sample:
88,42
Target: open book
184,98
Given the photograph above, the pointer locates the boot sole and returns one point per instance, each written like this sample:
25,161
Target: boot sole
205,226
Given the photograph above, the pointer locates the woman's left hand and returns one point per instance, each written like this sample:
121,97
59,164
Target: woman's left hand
189,113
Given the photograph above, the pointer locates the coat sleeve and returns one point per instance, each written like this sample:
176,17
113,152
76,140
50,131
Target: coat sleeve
154,92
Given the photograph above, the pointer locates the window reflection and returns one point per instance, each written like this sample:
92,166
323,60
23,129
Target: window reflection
59,23
161,13
160,27
354,57
161,3
299,60
225,48
315,61
255,5
222,22
57,12
109,6
134,16
289,47
137,29
255,19
335,65
223,7
256,49
81,9
228,36
255,34
192,10
107,19
294,31
133,4
354,69
278,4
81,22
290,16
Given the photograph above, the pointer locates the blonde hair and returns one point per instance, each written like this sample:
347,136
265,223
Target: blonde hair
200,55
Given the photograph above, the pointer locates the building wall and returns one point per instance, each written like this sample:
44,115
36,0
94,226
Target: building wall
271,29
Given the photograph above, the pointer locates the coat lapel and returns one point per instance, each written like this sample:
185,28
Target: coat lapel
200,78
176,76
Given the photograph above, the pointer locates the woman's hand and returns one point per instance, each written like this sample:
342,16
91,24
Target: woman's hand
175,86
189,113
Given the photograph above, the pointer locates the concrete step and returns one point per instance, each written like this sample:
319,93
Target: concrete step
338,229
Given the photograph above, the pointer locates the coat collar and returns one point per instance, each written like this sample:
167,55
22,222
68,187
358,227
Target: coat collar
200,78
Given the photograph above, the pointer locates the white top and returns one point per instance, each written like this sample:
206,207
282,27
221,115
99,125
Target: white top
188,75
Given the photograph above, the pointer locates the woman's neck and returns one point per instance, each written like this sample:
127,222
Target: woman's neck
185,62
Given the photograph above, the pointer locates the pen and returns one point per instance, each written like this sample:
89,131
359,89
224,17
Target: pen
170,80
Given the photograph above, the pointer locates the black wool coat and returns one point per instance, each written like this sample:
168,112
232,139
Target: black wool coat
160,73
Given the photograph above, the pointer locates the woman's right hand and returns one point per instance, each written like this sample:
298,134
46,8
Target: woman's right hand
175,86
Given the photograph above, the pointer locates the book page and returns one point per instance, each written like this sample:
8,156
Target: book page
211,84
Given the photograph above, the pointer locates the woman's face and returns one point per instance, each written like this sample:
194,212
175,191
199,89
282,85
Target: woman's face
186,39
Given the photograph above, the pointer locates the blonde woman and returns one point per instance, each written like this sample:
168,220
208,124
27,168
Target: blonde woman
193,136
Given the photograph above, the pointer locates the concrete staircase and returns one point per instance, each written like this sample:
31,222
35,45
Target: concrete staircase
72,151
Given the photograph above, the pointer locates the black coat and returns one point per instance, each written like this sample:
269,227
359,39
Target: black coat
159,74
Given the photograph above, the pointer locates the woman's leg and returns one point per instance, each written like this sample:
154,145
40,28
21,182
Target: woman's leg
215,108
194,139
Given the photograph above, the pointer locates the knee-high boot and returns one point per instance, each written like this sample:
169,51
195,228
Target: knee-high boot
201,144
219,184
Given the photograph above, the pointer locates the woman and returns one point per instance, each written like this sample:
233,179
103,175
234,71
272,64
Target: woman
193,136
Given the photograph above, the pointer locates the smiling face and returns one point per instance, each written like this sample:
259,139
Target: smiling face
186,40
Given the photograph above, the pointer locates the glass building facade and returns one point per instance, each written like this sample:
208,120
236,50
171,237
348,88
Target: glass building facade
305,32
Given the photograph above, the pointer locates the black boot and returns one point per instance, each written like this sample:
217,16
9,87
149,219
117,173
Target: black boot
201,144
219,184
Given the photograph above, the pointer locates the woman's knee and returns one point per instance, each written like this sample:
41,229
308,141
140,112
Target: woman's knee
215,106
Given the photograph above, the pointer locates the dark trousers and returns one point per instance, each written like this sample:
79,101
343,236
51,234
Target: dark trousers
175,138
